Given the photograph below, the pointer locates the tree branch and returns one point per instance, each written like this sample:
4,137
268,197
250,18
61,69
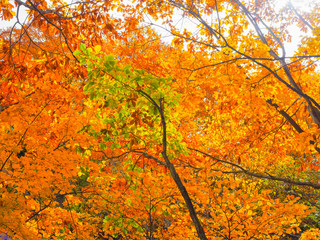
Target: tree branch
291,121
299,16
258,175
173,172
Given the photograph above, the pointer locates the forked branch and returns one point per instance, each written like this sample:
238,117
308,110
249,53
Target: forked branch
172,169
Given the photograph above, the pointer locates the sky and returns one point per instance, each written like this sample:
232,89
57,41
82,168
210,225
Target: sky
301,5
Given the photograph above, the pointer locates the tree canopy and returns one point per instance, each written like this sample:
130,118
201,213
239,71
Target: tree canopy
175,119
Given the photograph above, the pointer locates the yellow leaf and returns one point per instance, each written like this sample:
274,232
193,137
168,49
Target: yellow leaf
87,152
97,48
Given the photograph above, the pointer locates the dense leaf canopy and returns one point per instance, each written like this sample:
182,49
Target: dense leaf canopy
174,119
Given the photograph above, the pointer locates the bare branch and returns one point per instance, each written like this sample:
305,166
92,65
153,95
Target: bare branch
299,16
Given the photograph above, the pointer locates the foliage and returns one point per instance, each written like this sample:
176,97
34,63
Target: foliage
110,132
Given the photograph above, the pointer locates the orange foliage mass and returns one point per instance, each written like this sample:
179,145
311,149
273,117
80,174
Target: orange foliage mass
213,134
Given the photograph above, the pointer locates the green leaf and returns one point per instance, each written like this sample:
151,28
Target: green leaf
77,53
107,138
83,47
115,146
134,224
87,87
102,145
109,58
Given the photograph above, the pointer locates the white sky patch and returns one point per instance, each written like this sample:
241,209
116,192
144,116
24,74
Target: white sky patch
181,21
301,5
